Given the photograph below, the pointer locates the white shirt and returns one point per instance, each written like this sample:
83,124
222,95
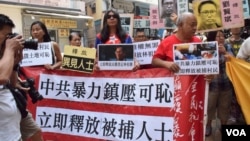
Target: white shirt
10,117
244,51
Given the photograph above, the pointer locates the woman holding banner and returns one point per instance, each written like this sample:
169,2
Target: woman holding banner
39,31
113,33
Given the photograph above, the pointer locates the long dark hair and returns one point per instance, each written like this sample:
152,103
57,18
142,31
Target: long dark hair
46,37
105,32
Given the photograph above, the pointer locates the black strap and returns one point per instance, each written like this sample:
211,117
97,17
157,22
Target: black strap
21,101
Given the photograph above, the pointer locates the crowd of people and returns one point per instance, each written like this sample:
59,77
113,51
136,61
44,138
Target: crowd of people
16,127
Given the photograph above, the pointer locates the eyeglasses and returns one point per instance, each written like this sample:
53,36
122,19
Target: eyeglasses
114,16
211,12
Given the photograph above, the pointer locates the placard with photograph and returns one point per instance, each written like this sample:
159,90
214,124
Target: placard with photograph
166,8
115,56
216,15
197,58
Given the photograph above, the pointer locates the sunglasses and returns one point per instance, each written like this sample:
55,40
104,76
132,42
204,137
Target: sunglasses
114,16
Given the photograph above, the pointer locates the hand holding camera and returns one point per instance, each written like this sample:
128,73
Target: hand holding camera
14,43
27,43
17,43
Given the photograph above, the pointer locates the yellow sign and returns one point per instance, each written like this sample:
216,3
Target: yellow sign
59,23
79,58
63,32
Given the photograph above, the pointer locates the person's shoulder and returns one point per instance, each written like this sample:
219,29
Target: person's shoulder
98,35
55,44
246,42
169,38
128,38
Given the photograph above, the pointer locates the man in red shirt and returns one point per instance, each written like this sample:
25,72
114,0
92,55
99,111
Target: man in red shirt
163,57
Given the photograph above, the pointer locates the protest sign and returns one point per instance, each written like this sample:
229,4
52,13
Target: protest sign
127,22
109,105
197,58
216,15
79,58
144,51
43,55
116,56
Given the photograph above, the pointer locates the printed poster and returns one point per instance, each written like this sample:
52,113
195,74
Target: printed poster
116,56
246,8
109,105
197,58
166,8
155,21
127,21
216,15
144,51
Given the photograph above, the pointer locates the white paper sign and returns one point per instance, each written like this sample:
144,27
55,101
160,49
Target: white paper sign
43,55
144,51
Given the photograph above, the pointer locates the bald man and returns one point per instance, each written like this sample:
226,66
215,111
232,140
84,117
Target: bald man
163,57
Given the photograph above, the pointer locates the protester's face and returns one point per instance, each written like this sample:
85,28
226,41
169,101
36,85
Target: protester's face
7,30
208,14
189,26
140,37
220,37
119,54
112,19
235,31
37,32
76,40
168,6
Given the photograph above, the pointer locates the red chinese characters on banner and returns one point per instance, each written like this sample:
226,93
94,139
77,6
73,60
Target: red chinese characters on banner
187,112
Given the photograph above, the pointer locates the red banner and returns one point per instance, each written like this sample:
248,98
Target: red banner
150,117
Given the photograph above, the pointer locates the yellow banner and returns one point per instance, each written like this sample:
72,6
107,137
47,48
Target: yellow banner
238,72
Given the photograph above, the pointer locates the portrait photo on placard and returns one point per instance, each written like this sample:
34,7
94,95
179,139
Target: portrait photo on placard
166,9
115,52
208,13
116,56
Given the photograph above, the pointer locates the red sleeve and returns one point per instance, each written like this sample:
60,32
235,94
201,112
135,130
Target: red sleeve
165,49
196,39
160,53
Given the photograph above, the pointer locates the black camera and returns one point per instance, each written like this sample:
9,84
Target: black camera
33,93
29,43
